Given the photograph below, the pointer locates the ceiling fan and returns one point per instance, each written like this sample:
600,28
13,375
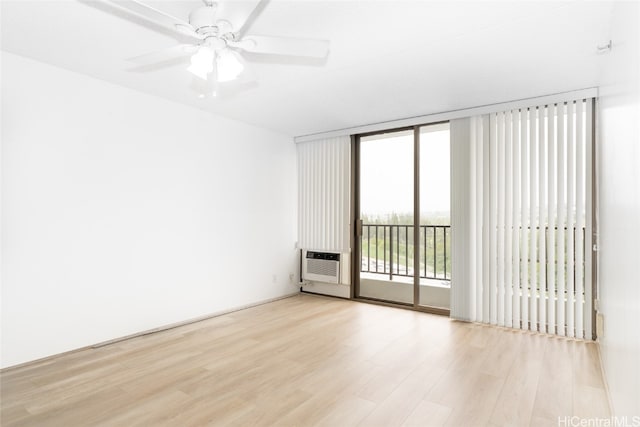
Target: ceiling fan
216,38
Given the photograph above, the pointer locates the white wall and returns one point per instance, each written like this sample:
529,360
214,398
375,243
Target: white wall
619,189
124,212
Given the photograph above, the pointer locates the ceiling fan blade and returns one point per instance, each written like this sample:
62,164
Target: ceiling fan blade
156,16
288,46
164,54
237,12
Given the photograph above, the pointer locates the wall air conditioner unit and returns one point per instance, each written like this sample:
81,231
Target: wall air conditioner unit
321,267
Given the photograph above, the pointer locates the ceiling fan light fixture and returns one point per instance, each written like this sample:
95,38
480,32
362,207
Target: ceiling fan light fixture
229,65
202,62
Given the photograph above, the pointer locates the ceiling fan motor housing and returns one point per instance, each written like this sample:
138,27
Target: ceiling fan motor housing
203,19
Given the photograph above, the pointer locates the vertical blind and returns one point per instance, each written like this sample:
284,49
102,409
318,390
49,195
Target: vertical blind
521,218
324,171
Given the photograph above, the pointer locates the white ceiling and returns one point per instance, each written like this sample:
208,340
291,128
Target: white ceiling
388,60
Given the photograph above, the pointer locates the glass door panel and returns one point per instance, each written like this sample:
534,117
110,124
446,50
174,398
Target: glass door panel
435,216
387,215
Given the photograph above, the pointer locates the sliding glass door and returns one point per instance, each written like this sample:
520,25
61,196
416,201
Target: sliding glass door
402,213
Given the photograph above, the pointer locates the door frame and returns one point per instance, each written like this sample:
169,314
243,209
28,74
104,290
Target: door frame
356,229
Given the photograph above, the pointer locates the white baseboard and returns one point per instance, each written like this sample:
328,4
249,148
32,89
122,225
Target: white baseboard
151,331
330,289
193,320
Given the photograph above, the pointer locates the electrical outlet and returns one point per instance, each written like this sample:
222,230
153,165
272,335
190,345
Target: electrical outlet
274,279
291,277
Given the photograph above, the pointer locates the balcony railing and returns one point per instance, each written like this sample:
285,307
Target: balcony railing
388,249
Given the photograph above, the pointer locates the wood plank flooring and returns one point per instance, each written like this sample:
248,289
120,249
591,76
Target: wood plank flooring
313,361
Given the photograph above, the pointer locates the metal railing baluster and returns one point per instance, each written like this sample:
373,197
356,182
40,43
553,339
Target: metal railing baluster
444,233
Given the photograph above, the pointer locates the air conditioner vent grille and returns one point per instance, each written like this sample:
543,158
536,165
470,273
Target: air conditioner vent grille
322,267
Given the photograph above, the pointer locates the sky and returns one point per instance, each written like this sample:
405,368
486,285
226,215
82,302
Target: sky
386,172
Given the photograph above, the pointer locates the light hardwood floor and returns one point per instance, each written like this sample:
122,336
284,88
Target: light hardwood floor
310,360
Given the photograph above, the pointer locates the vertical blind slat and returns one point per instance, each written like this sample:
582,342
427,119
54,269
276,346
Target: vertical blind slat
533,222
524,229
551,215
560,230
542,220
477,201
589,146
570,221
500,191
486,297
508,238
579,247
493,220
515,260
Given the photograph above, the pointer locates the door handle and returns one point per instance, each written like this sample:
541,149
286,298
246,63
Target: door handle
358,227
